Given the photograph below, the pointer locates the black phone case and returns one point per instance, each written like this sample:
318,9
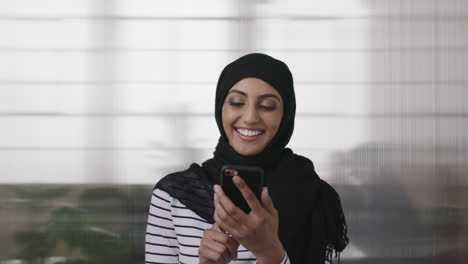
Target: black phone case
253,176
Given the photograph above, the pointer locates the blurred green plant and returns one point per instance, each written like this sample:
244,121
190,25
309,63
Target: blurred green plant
106,226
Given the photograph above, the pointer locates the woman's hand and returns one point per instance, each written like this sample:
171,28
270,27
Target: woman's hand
256,231
216,247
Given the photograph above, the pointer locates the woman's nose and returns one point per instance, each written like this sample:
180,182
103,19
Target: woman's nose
251,115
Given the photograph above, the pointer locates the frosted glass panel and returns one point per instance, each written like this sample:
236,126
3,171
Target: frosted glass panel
101,99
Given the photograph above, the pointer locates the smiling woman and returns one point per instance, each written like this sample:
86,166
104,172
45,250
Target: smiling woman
298,217
252,114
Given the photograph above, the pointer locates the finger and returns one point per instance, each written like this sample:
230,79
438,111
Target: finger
267,202
216,227
233,245
232,172
216,205
249,196
214,251
229,207
216,235
220,242
230,231
224,221
221,250
224,215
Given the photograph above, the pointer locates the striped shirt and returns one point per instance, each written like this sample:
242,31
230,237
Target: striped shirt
174,232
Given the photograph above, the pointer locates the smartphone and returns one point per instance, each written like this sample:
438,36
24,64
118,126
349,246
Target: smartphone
253,177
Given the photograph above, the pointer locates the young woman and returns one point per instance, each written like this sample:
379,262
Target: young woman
298,218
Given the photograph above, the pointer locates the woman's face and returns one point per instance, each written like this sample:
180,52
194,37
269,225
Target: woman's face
252,113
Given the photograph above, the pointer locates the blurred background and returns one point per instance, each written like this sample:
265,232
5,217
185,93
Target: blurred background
100,99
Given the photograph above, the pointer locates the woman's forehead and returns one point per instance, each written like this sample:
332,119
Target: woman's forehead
254,86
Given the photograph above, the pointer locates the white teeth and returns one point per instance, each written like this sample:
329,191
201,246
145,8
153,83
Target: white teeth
249,133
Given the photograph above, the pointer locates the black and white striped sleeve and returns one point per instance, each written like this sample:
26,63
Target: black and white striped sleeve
161,240
285,259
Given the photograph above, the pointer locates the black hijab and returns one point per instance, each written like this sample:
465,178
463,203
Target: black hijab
277,74
311,221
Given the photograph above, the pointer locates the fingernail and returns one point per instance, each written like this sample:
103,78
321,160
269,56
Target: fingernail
216,188
236,179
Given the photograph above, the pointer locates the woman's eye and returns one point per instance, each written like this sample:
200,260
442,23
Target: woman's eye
236,103
268,108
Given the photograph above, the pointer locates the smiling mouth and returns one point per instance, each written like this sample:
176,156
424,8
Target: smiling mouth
249,134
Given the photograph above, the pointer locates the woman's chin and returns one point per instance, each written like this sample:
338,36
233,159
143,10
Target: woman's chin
249,151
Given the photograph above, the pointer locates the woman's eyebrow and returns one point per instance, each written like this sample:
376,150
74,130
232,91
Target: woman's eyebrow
260,96
237,91
269,95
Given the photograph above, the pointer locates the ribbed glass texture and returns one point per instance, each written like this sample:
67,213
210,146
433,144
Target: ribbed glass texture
100,99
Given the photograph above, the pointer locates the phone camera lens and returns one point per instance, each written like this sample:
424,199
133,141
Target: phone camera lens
228,172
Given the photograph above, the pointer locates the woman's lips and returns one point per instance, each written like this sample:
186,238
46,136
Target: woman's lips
248,138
